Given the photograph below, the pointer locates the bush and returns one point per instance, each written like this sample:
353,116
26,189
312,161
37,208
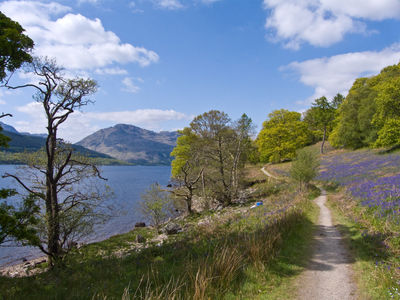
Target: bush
156,205
304,168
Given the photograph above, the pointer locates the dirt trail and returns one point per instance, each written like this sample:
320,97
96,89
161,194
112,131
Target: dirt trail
328,274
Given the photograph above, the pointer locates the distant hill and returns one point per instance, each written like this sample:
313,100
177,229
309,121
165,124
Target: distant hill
133,144
21,142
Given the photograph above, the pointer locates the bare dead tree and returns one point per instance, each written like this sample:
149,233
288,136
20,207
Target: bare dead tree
57,170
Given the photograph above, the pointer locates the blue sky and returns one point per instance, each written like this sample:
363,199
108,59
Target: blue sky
159,63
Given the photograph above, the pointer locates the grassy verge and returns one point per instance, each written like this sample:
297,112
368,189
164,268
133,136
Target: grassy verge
374,243
237,253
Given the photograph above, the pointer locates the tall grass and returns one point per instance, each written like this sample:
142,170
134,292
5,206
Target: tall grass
235,255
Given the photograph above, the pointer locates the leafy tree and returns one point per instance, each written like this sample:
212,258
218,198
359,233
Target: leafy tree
387,101
15,224
242,148
15,47
58,175
214,150
304,168
389,135
371,103
282,134
353,122
187,168
216,137
321,115
18,224
156,205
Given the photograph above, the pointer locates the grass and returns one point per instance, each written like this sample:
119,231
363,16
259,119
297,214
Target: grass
240,253
377,260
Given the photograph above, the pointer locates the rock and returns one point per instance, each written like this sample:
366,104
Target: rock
140,224
219,208
140,239
172,228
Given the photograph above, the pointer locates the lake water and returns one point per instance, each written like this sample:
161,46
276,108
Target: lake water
127,184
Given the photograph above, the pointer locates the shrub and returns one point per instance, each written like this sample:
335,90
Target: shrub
156,205
304,168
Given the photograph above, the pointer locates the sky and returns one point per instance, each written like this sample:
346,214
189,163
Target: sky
160,63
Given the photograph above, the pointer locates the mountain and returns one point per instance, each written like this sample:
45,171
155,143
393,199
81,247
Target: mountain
8,128
21,142
133,144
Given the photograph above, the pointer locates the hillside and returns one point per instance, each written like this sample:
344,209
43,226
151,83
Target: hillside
21,142
132,144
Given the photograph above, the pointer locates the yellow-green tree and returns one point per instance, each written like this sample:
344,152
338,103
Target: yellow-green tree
214,150
282,134
321,115
369,114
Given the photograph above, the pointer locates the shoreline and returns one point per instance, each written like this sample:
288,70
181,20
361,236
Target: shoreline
26,268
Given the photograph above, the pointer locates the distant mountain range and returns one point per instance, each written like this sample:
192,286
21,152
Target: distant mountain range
133,144
123,142
22,141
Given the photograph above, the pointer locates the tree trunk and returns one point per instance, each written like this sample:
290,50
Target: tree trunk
323,141
226,194
52,207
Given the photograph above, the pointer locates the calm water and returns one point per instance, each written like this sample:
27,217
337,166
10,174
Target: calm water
127,183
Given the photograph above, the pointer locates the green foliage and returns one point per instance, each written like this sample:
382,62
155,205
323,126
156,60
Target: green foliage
320,117
389,135
371,103
305,167
19,224
4,140
282,134
156,205
215,148
184,151
14,46
354,128
236,256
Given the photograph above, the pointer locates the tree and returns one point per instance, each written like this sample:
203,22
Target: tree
243,128
18,224
58,175
304,168
389,135
216,136
156,205
282,134
371,103
322,114
209,156
15,47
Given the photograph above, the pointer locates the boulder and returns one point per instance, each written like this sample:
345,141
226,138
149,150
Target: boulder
140,239
172,228
140,224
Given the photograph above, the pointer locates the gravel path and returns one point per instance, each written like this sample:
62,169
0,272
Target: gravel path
328,274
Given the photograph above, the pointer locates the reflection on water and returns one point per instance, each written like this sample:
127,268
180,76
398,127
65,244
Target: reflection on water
127,184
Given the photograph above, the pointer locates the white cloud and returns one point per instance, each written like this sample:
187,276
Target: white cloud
336,74
132,5
88,1
111,71
209,1
168,4
142,117
130,86
2,102
81,124
76,41
323,22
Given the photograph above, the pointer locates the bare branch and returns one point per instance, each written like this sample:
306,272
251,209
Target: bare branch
40,195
